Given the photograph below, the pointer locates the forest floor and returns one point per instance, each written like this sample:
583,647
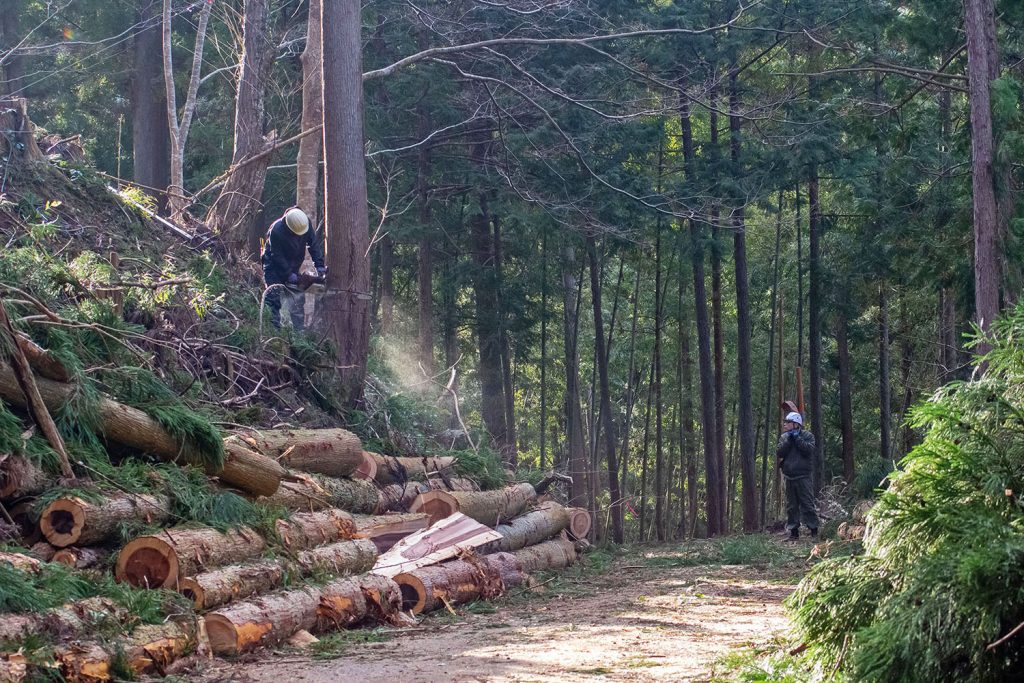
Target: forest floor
654,613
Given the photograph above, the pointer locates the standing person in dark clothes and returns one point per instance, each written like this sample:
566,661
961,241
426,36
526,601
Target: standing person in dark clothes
795,454
283,253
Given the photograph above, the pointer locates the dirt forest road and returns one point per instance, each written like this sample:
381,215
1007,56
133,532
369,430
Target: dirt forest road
641,620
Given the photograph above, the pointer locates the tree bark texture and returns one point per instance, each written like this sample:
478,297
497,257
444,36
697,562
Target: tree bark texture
347,300
270,619
135,429
73,521
487,507
548,520
608,430
13,72
332,452
573,412
460,581
307,161
150,649
814,322
82,558
151,138
239,581
884,379
982,69
305,530
492,388
232,213
557,553
845,397
399,497
387,469
162,560
20,477
713,501
317,492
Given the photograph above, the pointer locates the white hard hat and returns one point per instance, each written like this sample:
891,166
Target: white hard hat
297,221
795,417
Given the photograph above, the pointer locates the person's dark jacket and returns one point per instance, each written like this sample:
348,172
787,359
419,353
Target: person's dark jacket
796,453
284,252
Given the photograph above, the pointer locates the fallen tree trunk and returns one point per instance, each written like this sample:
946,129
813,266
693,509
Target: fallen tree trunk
387,469
399,497
851,532
312,492
548,520
71,520
334,452
19,477
70,620
42,361
24,515
162,560
305,530
135,429
460,581
13,667
42,551
81,558
486,507
579,523
150,649
387,530
220,586
554,554
270,619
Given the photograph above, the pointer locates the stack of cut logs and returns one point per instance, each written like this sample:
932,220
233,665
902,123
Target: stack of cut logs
380,538
856,528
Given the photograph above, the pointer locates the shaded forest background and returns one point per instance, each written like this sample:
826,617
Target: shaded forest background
628,227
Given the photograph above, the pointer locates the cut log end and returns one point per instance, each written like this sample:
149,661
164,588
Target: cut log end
367,468
224,635
147,562
61,522
435,504
579,523
414,593
192,590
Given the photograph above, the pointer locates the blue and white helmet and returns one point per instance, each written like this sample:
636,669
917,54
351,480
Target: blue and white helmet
795,417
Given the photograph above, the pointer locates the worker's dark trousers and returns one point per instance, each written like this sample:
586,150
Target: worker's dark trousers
296,311
800,503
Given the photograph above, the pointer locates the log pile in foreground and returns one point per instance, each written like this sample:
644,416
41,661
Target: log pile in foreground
72,521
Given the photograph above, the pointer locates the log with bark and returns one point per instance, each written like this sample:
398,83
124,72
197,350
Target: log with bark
42,551
387,530
42,361
19,477
71,520
20,561
459,581
161,560
387,470
445,539
311,492
486,507
20,140
82,558
579,523
269,619
851,531
548,520
557,553
399,497
150,649
13,667
234,582
131,427
70,620
305,530
27,519
333,452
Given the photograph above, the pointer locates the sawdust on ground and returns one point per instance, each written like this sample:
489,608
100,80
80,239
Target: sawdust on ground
632,623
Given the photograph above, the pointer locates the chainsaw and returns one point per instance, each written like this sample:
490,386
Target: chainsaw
307,280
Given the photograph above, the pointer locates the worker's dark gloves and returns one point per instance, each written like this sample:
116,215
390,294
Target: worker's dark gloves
293,278
321,271
792,433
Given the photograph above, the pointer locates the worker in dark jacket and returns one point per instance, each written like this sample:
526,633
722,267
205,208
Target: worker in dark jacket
283,253
795,455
